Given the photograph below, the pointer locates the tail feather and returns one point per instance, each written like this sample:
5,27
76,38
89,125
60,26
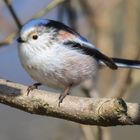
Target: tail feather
125,63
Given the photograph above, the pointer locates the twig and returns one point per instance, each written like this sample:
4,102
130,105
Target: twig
8,4
50,6
101,111
8,40
4,43
10,37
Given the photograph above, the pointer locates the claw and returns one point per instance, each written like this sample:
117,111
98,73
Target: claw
32,87
62,96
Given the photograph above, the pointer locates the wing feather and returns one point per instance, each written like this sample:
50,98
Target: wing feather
94,53
74,39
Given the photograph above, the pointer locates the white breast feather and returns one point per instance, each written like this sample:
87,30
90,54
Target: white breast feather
57,66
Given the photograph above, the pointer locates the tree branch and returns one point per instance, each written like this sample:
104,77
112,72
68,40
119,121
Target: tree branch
101,111
8,40
13,13
50,6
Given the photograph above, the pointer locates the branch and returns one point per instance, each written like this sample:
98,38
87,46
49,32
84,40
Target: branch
13,13
101,111
49,7
10,37
8,40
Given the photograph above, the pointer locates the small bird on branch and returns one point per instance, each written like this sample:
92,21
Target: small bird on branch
55,55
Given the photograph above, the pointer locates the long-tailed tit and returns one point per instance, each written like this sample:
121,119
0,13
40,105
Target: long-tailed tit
55,55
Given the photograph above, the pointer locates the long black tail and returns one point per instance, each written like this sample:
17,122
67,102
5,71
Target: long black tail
125,63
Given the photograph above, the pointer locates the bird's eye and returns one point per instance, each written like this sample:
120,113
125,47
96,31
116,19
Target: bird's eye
35,37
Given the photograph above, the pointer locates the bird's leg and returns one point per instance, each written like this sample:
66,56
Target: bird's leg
63,95
32,87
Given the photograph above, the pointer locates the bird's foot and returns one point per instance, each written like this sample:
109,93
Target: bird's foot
63,95
32,87
61,98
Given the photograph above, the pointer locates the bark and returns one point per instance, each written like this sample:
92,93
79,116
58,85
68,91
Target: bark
100,111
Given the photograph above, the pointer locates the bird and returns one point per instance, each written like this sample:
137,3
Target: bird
55,55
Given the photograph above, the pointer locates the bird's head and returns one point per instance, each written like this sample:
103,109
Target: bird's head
36,32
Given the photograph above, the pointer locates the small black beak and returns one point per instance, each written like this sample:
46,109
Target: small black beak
19,40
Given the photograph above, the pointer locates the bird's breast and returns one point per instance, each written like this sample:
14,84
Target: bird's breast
59,67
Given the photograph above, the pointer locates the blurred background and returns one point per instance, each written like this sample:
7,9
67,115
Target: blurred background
112,25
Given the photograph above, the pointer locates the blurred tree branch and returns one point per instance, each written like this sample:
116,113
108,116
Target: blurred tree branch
101,111
13,13
10,37
8,40
50,6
